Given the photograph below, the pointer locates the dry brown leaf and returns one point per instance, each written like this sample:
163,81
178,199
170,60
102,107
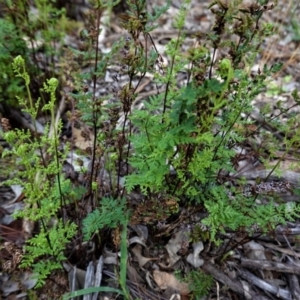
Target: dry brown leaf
256,251
175,244
165,280
142,260
83,138
133,275
137,240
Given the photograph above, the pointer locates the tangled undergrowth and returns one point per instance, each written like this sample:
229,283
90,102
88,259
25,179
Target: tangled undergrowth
180,149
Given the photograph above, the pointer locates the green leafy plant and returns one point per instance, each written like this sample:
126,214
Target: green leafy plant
199,283
11,44
110,214
39,169
182,145
27,33
186,148
49,244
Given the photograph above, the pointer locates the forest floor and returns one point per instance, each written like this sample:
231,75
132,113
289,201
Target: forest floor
267,265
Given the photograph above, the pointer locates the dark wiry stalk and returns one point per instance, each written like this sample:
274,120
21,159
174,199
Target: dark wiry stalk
95,110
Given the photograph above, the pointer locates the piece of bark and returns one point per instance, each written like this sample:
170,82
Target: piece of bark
293,285
284,230
270,265
293,281
280,249
278,238
235,286
279,292
290,176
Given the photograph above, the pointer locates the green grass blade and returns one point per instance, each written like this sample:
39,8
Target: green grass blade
92,290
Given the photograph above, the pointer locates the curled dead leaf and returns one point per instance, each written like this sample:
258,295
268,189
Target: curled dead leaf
175,244
165,280
142,260
194,258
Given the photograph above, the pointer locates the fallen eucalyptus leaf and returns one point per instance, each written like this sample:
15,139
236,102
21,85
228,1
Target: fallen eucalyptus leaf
175,244
193,258
254,251
165,280
142,260
133,275
7,285
28,280
109,257
137,240
141,230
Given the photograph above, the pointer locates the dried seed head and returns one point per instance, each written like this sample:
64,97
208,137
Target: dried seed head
5,124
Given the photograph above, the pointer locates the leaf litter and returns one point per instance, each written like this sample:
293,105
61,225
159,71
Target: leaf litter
252,267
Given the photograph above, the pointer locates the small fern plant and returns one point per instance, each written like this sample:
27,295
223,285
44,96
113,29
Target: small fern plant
110,214
199,283
39,173
45,251
188,134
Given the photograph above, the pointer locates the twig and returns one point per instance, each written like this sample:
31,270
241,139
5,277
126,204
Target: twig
270,266
279,292
220,276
